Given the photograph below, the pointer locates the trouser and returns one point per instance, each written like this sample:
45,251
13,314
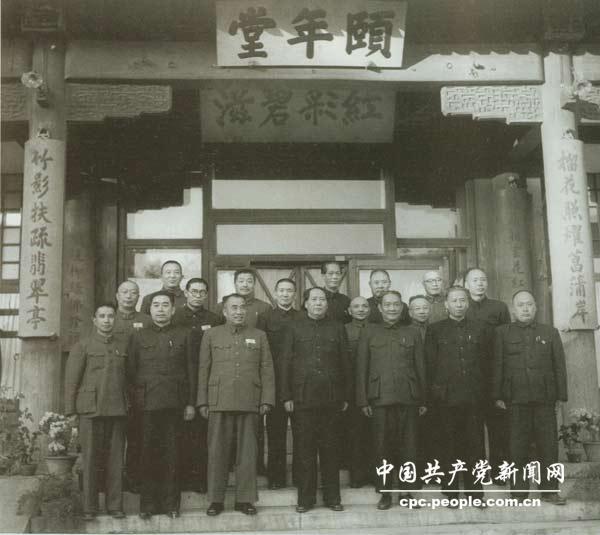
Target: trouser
534,422
497,428
462,438
99,435
317,434
133,454
277,426
429,444
194,454
360,440
222,428
159,468
395,440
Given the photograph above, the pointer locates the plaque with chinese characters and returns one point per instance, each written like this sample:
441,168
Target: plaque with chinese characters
326,33
279,112
41,262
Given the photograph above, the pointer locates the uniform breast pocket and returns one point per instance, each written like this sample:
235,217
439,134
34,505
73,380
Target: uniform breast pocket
513,347
543,346
221,352
96,361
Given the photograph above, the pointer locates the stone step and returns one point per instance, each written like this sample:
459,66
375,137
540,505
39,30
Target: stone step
359,518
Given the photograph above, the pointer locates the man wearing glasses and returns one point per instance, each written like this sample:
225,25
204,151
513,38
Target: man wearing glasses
198,320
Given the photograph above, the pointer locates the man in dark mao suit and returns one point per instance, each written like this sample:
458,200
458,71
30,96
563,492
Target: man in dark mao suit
235,385
530,381
390,388
96,398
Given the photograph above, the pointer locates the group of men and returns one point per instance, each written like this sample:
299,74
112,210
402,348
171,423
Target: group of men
186,391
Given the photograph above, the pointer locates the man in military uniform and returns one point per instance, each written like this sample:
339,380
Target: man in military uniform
235,386
530,382
161,371
194,317
128,319
380,282
315,386
274,322
391,389
457,351
96,398
245,281
337,302
419,310
434,293
493,313
356,426
171,275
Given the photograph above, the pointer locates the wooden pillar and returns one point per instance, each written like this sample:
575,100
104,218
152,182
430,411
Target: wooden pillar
485,233
512,256
107,234
41,349
570,242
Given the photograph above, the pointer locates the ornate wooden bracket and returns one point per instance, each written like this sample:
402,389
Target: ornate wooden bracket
586,104
512,104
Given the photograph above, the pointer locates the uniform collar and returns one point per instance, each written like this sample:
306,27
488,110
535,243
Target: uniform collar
190,310
235,329
285,311
531,325
312,320
126,315
177,291
460,323
435,298
358,323
159,329
102,339
329,293
395,325
418,324
477,303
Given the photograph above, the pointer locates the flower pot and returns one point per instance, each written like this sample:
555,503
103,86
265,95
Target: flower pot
60,465
573,456
592,451
27,469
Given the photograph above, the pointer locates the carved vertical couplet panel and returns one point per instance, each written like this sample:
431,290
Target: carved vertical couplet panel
569,229
42,238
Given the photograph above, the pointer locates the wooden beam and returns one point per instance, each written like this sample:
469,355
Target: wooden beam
168,62
16,58
433,243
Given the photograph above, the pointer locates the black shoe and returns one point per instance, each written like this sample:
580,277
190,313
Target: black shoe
117,514
336,507
303,508
554,499
245,507
145,515
274,485
173,514
214,509
385,502
88,517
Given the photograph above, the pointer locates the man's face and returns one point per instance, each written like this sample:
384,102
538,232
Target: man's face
285,294
235,311
161,310
104,320
316,304
128,294
476,282
419,310
379,283
333,277
244,284
359,308
457,303
171,276
432,281
196,294
524,307
391,308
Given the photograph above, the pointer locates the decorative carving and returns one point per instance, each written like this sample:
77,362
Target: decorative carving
14,102
513,104
586,105
563,20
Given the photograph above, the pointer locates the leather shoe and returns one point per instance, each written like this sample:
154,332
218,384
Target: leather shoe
117,514
274,485
88,517
303,508
173,514
214,509
336,507
385,502
245,507
145,515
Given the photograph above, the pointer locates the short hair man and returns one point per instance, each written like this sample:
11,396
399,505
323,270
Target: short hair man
356,431
95,395
337,302
161,367
235,385
245,282
530,379
434,293
494,313
457,350
391,388
171,275
380,283
194,317
315,387
275,323
419,310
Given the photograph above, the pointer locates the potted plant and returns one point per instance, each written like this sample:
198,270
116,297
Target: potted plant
25,445
569,435
589,423
60,433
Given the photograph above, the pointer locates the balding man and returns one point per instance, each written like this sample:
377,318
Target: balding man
419,310
529,383
380,282
356,426
434,293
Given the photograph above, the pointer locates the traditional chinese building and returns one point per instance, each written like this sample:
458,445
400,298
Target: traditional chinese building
410,136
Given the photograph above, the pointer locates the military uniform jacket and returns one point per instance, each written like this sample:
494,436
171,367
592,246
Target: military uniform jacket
354,330
490,311
529,364
95,377
458,356
376,317
254,308
390,366
197,322
316,369
337,306
177,294
161,367
125,323
438,308
236,370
